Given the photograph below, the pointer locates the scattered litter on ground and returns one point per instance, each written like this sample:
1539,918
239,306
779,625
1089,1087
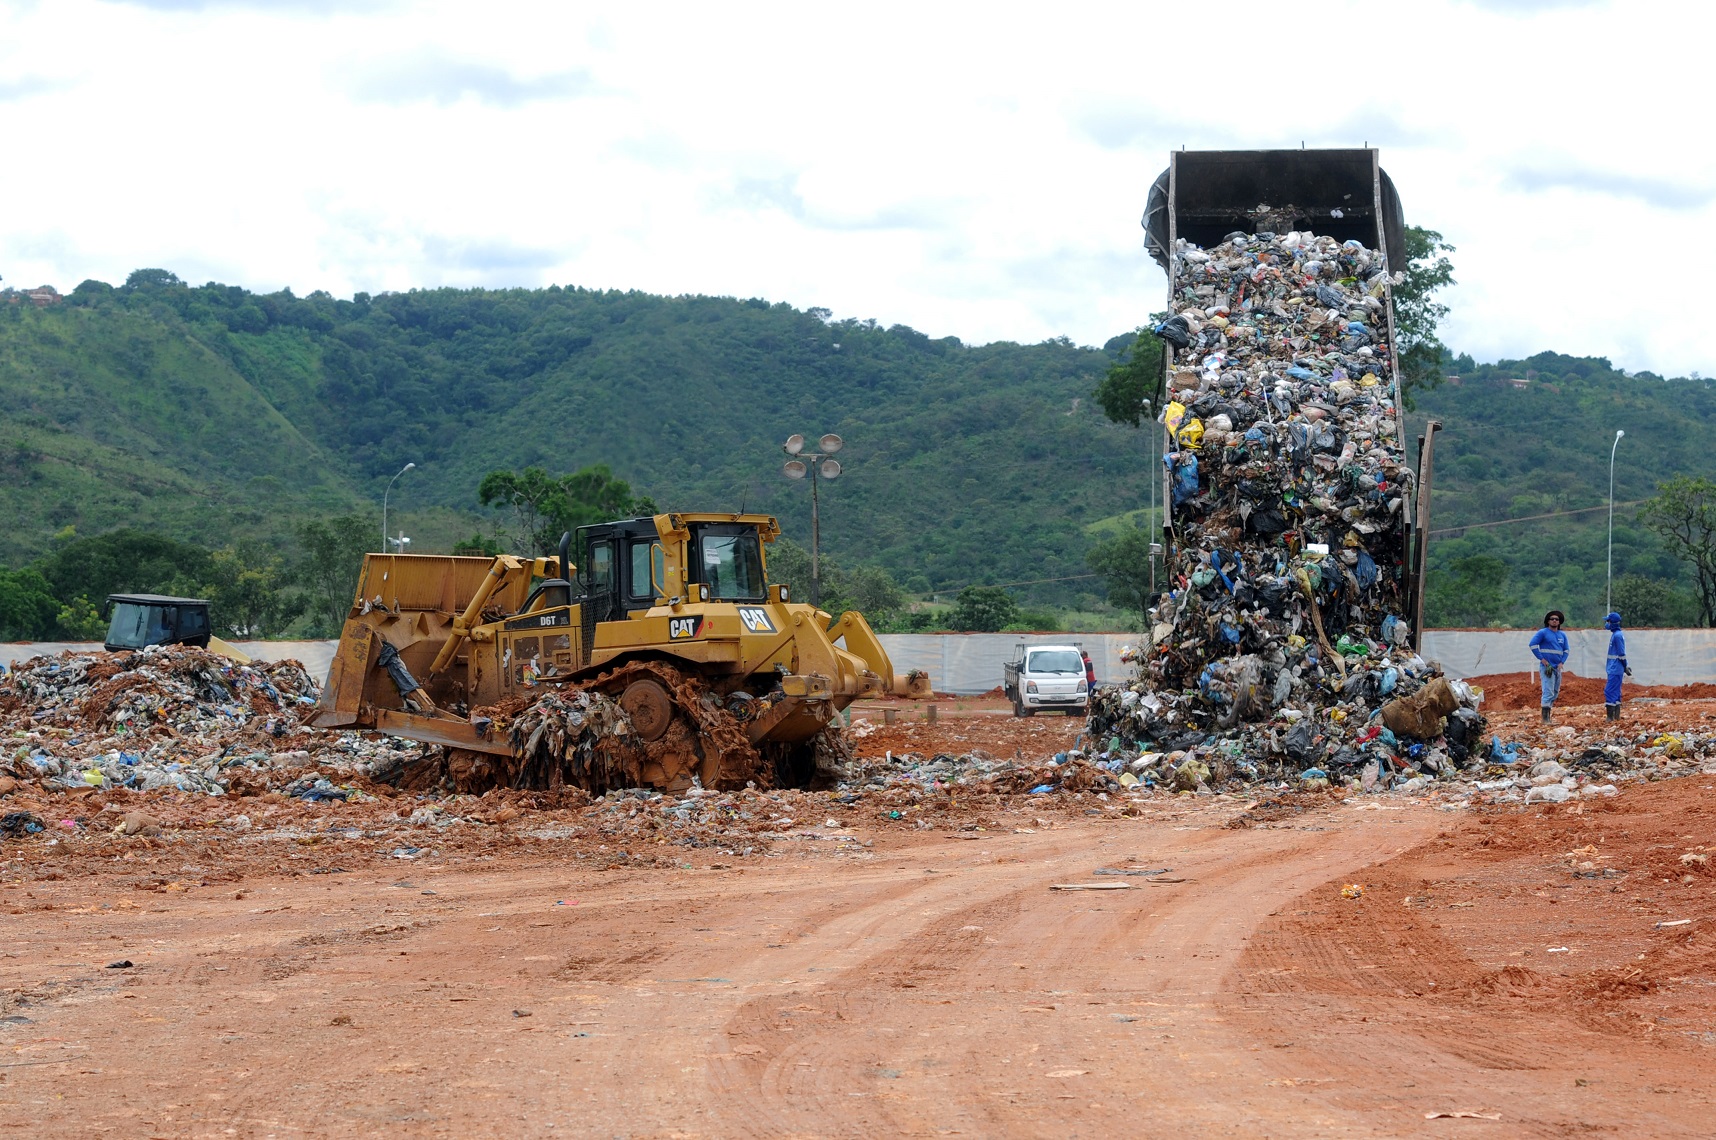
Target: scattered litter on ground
1091,887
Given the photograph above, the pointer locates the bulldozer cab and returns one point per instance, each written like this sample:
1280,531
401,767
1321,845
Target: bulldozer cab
628,566
140,620
619,566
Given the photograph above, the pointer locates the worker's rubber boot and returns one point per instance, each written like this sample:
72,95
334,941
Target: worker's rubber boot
1546,714
1614,711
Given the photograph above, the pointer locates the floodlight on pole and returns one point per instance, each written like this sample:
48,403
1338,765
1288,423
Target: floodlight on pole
815,466
384,496
1609,596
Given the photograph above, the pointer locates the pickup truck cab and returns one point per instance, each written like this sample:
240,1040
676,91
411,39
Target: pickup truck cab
1047,677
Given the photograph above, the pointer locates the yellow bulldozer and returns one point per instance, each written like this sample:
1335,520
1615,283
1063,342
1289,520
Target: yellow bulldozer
721,677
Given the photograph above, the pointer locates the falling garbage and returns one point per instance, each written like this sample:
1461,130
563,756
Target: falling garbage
1281,647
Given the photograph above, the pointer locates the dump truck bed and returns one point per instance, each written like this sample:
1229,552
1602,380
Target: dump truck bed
1345,194
1205,195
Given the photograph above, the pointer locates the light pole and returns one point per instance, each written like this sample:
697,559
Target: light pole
1609,597
1154,468
817,465
384,496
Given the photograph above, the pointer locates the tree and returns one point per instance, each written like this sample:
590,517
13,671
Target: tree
1133,378
122,562
873,592
79,620
593,495
330,560
983,609
1416,314
1684,514
546,507
1469,593
151,278
1124,564
478,546
530,495
246,595
789,566
1646,602
28,608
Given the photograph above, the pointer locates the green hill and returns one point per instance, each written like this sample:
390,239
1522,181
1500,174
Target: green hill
219,416
963,464
1532,437
120,418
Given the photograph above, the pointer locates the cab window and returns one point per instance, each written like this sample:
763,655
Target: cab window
731,564
645,556
130,625
600,567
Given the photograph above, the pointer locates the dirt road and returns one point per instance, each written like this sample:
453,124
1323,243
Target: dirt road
929,984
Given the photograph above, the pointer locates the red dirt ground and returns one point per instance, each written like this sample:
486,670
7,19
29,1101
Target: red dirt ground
1521,691
566,970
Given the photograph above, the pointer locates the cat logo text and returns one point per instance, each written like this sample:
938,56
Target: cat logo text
756,619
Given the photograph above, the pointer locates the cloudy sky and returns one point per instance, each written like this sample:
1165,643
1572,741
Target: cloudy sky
969,170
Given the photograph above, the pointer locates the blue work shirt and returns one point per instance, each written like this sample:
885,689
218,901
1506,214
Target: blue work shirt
1549,646
1617,654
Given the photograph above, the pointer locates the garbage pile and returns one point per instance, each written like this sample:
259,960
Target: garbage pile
977,771
575,738
164,717
1575,764
1281,644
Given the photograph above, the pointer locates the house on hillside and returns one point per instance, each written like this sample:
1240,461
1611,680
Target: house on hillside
41,296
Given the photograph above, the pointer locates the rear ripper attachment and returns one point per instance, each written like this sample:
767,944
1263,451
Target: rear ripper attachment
663,657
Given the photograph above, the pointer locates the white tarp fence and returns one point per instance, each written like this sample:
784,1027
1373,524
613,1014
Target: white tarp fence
1658,656
971,662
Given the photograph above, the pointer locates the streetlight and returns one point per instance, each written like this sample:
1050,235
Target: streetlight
1145,407
384,496
1609,600
828,468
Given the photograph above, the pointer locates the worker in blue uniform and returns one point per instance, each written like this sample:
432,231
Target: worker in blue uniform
1617,667
1549,646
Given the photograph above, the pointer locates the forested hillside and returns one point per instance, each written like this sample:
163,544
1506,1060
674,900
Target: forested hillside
963,464
1533,437
221,417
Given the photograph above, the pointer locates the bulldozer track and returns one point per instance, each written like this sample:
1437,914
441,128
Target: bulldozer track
705,740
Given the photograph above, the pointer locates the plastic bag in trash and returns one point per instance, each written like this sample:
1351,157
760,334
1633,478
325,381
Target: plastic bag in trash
1175,331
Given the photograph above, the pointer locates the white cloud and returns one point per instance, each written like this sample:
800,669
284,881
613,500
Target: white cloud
981,178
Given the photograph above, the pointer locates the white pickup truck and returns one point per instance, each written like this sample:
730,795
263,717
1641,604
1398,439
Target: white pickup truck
1047,677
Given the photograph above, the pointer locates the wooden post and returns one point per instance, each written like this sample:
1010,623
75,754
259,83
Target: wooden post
929,713
888,716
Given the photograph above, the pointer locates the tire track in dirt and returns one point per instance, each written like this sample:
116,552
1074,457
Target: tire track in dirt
1375,992
1018,983
937,986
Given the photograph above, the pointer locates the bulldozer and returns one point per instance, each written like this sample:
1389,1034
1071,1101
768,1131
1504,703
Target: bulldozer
722,678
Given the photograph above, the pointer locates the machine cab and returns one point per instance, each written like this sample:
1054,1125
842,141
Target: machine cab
625,566
155,619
